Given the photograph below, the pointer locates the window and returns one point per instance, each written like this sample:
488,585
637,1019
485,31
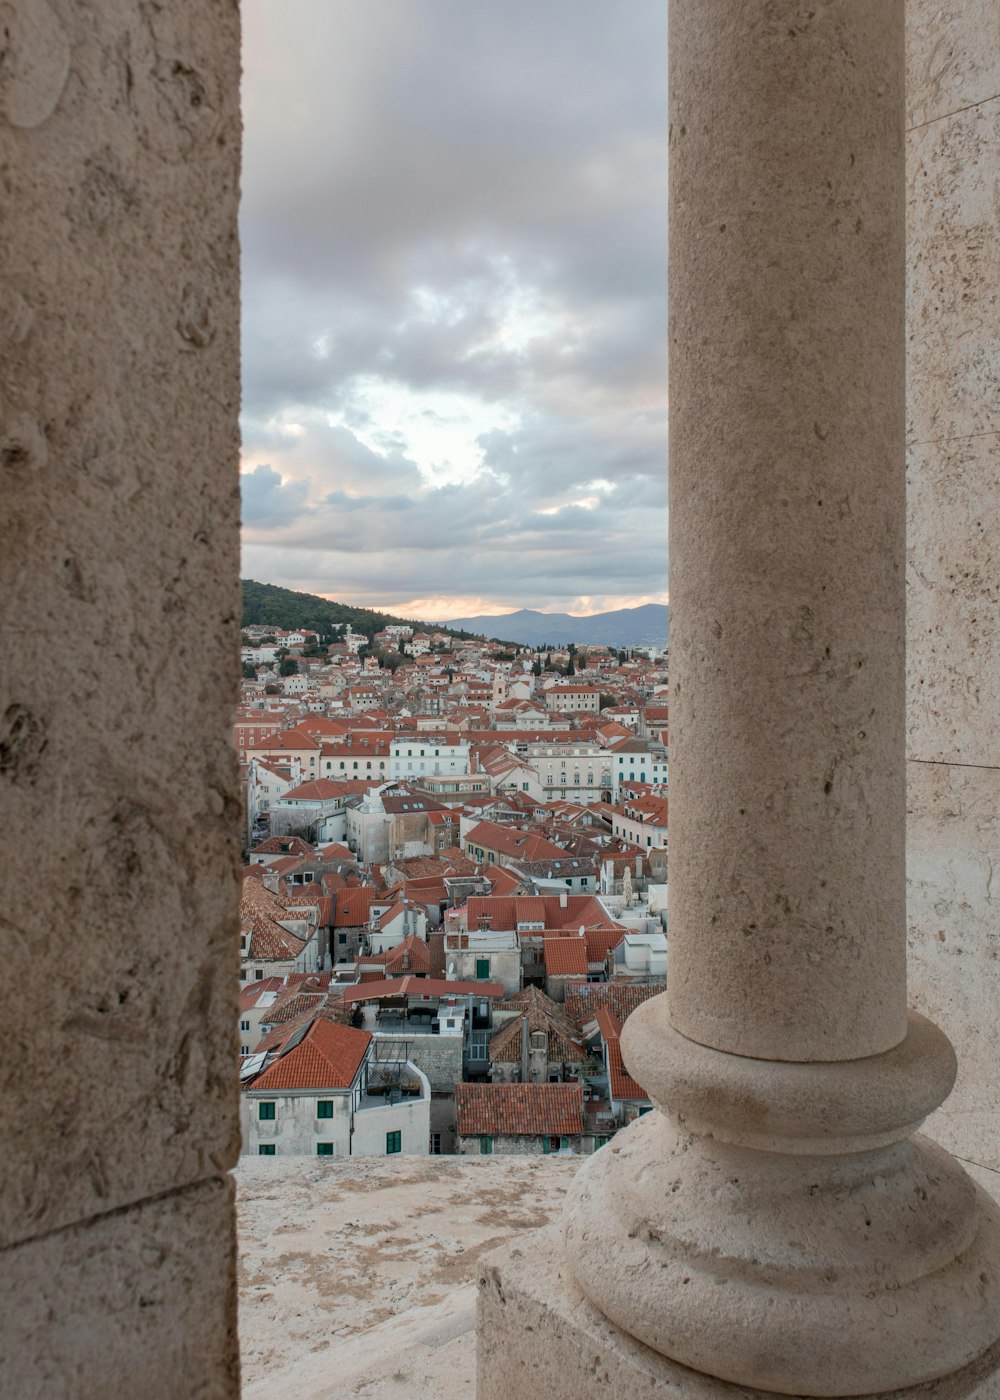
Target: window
486,1146
324,1149
435,1144
266,1112
324,1108
260,974
482,967
244,1049
266,1149
244,1025
341,937
393,1143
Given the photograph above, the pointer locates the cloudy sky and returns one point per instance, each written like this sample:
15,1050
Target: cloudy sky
454,262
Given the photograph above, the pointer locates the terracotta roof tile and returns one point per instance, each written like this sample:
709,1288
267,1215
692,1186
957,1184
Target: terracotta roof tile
327,1057
519,1110
621,998
353,906
566,957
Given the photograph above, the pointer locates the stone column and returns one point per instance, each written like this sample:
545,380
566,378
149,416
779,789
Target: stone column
775,1224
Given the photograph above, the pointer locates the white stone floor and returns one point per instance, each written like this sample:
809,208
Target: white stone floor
358,1278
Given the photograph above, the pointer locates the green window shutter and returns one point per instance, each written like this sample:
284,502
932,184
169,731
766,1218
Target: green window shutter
266,1112
486,1146
266,1149
564,1142
545,1145
324,1108
324,1149
393,1143
482,967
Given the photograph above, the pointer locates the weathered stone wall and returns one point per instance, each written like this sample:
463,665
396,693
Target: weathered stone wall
953,717
439,1056
119,393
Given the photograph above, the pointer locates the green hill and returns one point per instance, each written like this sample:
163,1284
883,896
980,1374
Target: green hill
270,606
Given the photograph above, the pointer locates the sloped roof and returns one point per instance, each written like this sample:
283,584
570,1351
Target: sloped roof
283,846
352,906
623,1086
314,790
260,912
511,842
566,957
542,1014
412,955
519,1110
507,912
621,998
328,1056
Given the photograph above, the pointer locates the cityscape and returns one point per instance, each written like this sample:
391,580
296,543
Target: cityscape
454,888
457,950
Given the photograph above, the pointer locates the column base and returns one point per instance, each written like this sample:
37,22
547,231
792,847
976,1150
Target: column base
537,1335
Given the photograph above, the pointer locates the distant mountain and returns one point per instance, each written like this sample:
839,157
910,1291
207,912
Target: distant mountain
271,606
625,627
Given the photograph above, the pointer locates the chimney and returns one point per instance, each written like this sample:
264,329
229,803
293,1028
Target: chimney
563,899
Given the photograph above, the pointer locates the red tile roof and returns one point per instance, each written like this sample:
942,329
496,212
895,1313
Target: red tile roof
412,955
506,913
315,790
262,915
283,846
623,1086
583,1002
253,991
542,1014
512,843
566,957
353,906
327,1057
519,1110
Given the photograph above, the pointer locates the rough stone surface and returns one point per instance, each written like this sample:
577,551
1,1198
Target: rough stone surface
786,529
953,273
119,394
953,641
954,938
953,624
358,1278
952,57
538,1335
130,1305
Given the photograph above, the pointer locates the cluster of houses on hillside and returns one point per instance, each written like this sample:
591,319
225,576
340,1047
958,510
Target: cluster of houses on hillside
454,894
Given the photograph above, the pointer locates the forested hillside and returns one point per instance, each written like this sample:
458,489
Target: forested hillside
271,606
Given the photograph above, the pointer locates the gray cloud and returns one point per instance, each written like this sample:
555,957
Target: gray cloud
268,501
455,202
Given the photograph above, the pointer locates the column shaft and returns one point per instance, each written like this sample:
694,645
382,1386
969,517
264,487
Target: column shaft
787,475
776,1224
